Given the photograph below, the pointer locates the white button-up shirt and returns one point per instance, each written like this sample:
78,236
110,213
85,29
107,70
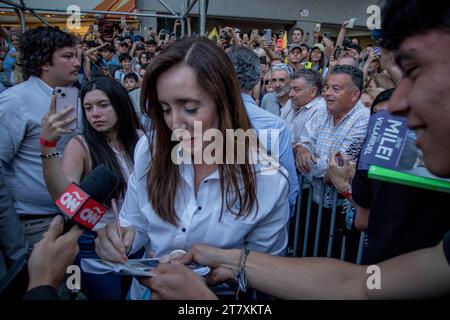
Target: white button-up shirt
296,120
199,216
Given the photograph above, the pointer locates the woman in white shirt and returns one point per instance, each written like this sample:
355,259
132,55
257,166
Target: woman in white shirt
226,202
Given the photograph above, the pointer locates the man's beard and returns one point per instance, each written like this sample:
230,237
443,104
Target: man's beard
283,92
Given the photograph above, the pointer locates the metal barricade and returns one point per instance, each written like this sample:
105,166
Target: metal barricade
306,213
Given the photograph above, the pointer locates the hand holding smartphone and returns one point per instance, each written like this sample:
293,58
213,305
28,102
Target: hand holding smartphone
340,159
377,52
67,97
268,35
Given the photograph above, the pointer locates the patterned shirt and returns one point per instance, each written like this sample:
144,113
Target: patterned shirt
323,138
296,120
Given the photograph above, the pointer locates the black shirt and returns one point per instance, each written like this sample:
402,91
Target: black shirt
42,293
402,218
447,246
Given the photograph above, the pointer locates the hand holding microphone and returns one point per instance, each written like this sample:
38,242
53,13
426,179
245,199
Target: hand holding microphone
84,204
52,255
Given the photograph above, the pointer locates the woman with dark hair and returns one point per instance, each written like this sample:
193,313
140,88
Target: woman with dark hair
110,133
316,60
174,203
143,60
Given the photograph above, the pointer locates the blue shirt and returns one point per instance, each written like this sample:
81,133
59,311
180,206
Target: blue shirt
262,119
22,108
8,63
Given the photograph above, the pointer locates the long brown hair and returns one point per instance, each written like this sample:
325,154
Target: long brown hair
216,75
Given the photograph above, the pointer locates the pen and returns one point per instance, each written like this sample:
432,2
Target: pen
119,229
116,216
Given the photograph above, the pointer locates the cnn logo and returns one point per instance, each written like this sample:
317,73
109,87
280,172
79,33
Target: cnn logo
91,216
71,200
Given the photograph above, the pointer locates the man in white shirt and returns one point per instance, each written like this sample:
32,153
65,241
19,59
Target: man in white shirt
49,60
306,86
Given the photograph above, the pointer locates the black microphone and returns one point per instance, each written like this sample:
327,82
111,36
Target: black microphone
85,204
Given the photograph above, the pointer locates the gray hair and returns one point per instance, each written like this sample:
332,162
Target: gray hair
247,66
353,61
282,67
312,77
356,74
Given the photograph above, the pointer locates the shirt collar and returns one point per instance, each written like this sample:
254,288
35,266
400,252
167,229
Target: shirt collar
309,105
357,106
186,168
313,102
247,98
42,85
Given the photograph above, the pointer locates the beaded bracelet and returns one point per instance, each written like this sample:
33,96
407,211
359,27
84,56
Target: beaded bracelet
50,156
240,274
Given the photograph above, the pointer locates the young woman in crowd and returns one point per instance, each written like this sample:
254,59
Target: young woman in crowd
144,59
316,60
109,136
172,203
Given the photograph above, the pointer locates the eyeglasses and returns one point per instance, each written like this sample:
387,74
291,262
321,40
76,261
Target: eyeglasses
266,82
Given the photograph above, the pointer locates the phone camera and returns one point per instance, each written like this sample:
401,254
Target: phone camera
63,94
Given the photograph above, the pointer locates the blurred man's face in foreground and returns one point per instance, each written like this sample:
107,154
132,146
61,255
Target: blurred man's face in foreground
423,95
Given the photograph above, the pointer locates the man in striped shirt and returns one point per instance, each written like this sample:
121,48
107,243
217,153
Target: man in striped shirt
335,128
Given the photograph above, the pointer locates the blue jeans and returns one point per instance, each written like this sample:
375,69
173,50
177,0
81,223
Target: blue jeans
101,286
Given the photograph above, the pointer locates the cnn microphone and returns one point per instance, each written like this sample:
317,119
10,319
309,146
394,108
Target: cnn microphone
84,204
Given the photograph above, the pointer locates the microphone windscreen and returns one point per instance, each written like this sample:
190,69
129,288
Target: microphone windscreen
100,183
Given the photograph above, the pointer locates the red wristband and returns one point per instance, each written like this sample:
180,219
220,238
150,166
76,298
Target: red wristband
46,143
347,194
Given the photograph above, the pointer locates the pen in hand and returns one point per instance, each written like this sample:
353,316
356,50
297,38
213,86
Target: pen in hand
116,216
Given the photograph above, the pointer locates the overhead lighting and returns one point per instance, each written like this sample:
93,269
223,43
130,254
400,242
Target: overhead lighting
48,15
2,12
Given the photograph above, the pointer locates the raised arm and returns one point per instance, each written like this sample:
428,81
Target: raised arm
91,52
59,173
188,22
341,36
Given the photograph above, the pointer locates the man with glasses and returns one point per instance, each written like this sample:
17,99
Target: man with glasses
278,99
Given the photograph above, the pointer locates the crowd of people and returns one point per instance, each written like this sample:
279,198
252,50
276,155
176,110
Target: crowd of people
305,108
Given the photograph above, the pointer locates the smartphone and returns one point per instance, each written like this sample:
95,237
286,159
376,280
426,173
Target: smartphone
280,44
327,35
95,28
67,96
377,51
268,35
340,160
